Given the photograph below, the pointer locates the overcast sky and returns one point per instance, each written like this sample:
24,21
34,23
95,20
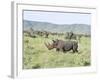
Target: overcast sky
57,17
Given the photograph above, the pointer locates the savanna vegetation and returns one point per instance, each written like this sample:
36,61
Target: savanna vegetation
36,54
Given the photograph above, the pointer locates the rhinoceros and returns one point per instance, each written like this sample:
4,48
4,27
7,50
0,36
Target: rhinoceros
64,46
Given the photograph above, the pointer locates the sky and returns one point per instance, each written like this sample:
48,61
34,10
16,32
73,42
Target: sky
58,17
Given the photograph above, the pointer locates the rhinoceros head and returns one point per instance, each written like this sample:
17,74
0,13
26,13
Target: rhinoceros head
52,45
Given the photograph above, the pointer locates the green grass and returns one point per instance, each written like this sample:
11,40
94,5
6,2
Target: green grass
36,55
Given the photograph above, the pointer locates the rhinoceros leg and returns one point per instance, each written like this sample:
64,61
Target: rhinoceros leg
57,49
75,48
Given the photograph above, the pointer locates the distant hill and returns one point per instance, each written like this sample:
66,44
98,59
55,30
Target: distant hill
45,26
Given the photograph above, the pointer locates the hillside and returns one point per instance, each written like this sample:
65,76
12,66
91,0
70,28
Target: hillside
45,26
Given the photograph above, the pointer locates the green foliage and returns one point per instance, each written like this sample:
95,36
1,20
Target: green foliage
36,55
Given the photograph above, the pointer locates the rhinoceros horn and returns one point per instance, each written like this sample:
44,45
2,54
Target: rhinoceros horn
49,46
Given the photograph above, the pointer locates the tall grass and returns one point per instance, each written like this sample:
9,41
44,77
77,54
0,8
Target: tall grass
36,55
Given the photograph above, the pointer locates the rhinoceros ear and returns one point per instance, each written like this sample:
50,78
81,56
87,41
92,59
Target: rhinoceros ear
53,40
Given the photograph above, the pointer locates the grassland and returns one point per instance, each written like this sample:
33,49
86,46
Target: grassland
36,55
